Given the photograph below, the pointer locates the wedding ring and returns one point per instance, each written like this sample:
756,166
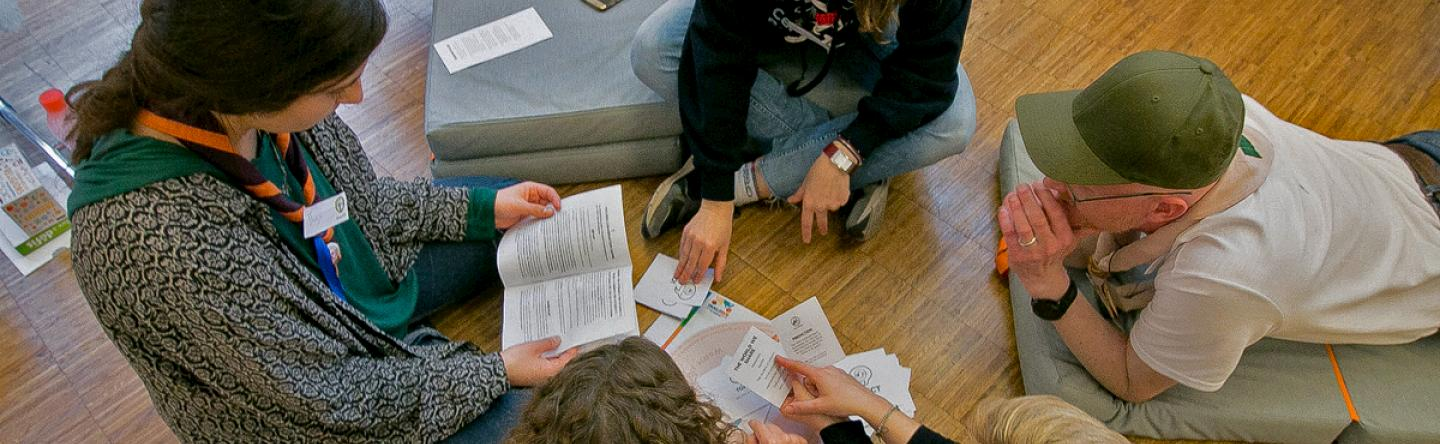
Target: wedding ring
1026,243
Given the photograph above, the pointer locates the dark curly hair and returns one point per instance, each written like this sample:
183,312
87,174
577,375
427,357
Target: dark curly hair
191,58
630,392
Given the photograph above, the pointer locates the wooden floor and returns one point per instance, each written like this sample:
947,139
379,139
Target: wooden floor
923,289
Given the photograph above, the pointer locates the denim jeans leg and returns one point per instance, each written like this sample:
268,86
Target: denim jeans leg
497,421
949,134
784,169
1428,141
774,113
452,272
790,157
655,51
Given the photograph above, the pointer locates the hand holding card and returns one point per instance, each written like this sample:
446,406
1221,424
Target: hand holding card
754,367
805,335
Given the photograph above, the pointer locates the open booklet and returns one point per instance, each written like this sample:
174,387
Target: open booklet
569,275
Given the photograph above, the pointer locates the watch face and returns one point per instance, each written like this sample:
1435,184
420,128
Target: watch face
842,161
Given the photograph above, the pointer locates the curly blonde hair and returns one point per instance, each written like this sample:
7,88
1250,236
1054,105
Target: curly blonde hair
1040,419
630,392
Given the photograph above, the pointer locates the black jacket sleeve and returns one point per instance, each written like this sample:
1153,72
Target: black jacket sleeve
918,81
848,432
853,432
927,436
717,71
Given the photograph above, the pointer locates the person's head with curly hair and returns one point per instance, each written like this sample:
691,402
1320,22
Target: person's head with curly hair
630,392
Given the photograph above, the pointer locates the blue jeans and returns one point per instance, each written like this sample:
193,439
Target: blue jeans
441,285
435,267
797,129
1427,141
497,422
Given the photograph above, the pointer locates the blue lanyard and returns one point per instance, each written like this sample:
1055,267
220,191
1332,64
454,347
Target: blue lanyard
327,267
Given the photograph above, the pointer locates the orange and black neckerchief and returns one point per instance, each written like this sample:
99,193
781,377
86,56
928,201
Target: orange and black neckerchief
216,149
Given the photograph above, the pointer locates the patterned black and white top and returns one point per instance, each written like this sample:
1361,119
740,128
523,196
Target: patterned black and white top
237,341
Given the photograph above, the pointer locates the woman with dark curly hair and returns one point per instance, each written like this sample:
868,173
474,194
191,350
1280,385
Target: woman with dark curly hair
201,155
630,392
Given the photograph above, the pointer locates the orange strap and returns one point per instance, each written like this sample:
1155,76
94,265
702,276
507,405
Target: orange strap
259,187
1340,379
185,132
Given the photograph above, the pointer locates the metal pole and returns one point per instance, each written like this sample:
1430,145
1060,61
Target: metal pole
8,113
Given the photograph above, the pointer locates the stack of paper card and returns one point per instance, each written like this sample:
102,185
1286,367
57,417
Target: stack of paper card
744,384
883,374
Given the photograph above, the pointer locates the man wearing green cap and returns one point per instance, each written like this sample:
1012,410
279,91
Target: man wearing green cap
1250,226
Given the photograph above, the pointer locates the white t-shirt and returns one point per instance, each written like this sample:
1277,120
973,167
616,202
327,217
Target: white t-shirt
1337,246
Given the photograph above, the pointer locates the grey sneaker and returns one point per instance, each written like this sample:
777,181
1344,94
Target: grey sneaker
671,205
866,211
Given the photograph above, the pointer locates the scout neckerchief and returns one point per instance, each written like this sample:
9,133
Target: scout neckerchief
216,149
1117,252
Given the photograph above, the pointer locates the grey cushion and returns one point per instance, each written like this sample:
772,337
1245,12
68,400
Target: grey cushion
1396,391
575,94
1280,392
569,165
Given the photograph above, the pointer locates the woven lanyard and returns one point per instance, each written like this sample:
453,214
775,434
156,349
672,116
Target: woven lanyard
216,149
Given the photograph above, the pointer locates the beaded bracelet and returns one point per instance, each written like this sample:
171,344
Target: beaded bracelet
885,419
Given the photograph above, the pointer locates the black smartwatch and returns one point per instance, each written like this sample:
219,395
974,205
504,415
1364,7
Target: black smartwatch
1053,310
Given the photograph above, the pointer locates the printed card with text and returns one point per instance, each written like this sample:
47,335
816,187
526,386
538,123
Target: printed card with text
754,367
488,41
805,335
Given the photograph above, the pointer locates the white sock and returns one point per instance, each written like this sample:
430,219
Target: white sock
746,191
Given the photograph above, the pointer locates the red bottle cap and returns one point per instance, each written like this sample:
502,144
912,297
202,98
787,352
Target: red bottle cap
53,100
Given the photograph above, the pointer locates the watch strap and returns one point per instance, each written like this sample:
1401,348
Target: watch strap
1053,310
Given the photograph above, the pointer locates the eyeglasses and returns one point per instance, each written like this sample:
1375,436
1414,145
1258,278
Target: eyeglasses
1075,200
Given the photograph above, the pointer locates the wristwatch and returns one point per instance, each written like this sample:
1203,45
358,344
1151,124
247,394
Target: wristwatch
1052,309
841,157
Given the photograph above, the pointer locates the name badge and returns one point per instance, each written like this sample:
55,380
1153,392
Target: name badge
325,214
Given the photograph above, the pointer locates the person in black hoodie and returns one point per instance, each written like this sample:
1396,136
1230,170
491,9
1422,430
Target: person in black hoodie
752,136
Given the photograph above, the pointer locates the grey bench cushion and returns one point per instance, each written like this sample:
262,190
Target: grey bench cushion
1395,389
568,94
1280,392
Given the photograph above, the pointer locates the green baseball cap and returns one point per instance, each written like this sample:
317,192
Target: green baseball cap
1157,118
